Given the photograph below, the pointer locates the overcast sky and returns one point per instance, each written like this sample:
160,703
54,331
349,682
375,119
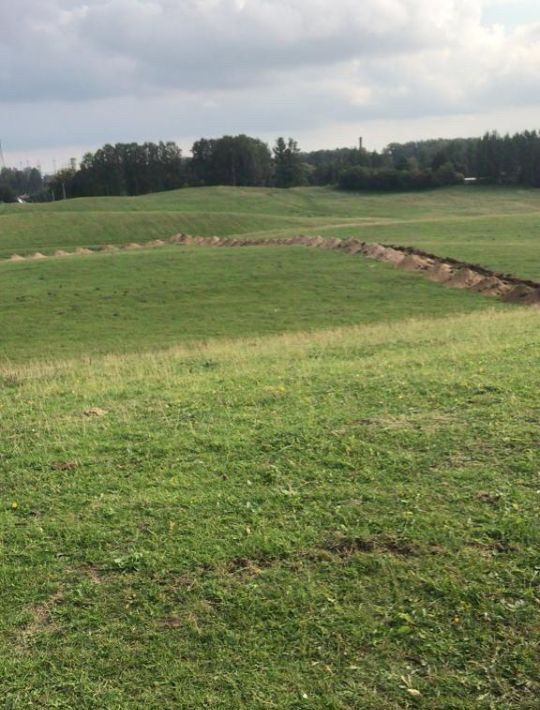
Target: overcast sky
75,74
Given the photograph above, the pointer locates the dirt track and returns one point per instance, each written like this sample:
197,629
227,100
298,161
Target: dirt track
447,271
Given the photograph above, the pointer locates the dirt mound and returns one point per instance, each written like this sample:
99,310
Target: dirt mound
132,245
155,243
374,251
353,246
16,257
109,248
328,243
524,294
37,255
412,262
464,278
393,256
61,252
315,242
491,286
439,272
83,251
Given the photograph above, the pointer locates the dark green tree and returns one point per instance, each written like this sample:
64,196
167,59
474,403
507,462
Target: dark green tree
289,168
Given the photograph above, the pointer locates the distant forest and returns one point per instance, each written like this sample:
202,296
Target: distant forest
137,169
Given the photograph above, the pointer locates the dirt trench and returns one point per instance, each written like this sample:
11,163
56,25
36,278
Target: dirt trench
443,270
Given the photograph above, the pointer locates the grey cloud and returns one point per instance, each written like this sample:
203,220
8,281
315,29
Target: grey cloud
87,72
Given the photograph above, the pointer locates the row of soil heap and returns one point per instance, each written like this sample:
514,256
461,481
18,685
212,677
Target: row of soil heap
447,271
450,272
83,251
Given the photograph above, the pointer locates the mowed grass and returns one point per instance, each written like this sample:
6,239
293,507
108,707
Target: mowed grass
498,227
336,520
142,300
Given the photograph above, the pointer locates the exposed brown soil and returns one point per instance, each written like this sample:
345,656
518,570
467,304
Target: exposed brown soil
95,412
42,618
444,270
346,547
64,465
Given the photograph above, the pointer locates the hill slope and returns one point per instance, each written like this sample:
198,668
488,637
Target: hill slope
147,299
497,227
338,520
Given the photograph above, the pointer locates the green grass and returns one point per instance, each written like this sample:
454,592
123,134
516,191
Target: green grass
498,227
268,477
150,299
324,521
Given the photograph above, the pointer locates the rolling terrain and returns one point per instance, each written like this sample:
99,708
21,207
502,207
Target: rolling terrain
268,478
497,227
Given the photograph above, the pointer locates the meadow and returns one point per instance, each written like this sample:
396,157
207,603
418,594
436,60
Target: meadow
155,298
498,227
268,478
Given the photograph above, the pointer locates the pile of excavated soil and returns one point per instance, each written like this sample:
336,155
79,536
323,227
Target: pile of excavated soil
526,295
447,271
464,278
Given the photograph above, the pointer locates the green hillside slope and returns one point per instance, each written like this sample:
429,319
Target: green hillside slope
499,227
345,519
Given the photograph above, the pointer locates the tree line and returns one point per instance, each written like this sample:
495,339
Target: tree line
135,169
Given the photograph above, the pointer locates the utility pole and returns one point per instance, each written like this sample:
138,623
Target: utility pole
2,160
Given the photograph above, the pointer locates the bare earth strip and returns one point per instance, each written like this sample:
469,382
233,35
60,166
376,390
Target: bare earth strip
444,270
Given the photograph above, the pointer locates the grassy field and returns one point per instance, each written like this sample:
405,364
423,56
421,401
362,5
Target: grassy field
498,227
142,300
268,477
346,519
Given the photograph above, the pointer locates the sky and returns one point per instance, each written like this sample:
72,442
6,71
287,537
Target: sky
75,74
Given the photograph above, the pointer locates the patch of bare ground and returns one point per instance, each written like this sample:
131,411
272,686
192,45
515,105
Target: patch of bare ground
41,621
93,573
64,465
345,547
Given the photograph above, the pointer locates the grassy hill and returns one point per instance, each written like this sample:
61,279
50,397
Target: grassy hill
268,478
499,227
340,520
143,300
